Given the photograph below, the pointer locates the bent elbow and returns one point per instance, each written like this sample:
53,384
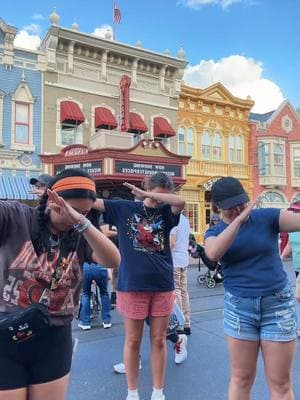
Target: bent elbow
115,261
212,255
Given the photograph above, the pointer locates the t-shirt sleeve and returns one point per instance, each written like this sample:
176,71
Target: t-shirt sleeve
111,211
171,219
213,231
272,216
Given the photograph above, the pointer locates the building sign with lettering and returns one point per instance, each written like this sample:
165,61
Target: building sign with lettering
91,167
76,151
135,168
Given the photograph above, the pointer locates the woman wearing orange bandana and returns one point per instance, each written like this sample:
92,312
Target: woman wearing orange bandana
42,251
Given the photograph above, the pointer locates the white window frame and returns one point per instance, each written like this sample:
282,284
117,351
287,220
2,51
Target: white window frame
272,142
59,125
22,95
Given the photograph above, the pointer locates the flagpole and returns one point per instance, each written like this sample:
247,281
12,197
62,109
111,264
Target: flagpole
113,21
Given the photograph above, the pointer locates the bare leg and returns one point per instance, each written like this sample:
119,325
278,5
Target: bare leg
16,394
278,358
243,356
158,333
133,337
55,390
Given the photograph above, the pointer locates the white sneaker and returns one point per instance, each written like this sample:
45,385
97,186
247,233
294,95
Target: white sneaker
106,325
181,349
120,368
84,327
158,397
132,397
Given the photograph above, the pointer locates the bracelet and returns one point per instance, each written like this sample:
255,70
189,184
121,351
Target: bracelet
81,227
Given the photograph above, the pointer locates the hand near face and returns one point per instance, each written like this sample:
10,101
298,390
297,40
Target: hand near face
244,215
61,207
139,194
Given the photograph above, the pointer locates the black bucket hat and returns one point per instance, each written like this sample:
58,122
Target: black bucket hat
228,193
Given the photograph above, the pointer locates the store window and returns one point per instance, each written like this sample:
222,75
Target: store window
192,213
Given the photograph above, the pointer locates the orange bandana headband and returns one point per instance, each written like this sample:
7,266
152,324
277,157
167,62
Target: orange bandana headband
74,182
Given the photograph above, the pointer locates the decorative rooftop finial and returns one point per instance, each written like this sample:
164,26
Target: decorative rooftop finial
167,52
23,77
54,17
181,53
75,26
139,44
108,35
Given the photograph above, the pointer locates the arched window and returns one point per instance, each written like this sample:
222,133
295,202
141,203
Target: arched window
217,147
272,197
239,149
205,144
231,148
190,142
181,141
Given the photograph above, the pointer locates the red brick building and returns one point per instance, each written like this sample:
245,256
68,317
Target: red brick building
274,155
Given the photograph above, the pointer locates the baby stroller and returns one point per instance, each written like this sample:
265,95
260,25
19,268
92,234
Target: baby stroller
213,274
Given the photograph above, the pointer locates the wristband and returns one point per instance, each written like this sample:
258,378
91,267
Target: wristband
82,226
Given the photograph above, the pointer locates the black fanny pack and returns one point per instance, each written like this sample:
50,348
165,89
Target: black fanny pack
24,324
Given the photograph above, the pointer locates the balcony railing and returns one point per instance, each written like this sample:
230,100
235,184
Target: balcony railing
210,168
272,180
106,138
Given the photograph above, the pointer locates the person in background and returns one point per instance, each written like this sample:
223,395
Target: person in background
40,184
259,304
179,243
98,274
145,283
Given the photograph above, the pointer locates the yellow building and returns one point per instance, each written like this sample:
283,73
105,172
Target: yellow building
213,129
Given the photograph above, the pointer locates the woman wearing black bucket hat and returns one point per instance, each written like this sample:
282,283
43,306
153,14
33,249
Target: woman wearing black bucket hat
259,305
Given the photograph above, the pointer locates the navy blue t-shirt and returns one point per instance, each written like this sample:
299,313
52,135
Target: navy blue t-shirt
146,260
252,266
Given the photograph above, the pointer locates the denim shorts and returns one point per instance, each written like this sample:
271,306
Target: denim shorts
271,318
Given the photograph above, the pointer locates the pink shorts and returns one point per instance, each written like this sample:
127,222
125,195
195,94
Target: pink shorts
140,305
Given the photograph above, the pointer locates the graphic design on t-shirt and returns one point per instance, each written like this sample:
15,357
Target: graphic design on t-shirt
147,233
30,274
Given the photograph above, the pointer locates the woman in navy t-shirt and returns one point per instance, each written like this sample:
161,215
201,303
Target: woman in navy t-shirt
145,284
259,306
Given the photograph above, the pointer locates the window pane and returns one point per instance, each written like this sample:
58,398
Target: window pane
205,139
217,153
231,155
297,168
68,135
206,152
190,148
192,213
239,156
239,143
22,134
231,141
22,113
181,149
181,137
190,136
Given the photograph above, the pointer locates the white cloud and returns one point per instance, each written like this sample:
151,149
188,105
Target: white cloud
28,37
102,30
196,4
241,76
38,17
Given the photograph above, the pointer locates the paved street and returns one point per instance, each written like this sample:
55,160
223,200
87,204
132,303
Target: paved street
203,376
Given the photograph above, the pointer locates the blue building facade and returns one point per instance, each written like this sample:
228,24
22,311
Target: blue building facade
20,116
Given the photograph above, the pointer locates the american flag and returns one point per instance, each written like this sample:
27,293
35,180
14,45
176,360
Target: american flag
117,14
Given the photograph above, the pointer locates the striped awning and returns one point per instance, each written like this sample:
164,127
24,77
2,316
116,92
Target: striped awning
15,188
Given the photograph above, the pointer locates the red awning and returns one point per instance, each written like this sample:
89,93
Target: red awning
136,123
162,128
105,118
70,113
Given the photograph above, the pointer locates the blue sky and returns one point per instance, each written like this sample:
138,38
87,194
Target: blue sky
252,46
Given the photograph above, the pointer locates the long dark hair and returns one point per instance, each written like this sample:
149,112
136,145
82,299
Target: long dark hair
68,240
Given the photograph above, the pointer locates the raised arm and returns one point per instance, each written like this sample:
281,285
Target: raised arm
217,246
176,202
289,221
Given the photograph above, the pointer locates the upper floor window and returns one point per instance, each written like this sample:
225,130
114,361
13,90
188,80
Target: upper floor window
296,162
186,141
71,119
70,134
205,144
271,159
22,126
236,145
217,147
